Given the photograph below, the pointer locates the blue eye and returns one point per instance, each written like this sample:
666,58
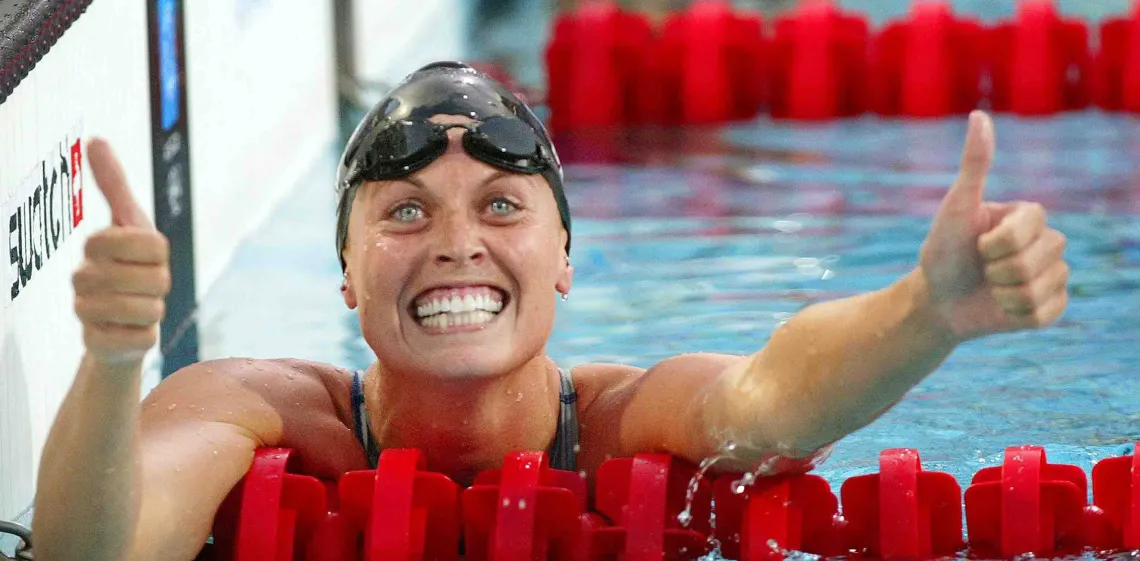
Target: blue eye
407,212
503,206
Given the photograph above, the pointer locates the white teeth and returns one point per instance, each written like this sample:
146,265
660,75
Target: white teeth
445,320
459,305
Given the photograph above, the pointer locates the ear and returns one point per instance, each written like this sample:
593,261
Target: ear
347,292
565,277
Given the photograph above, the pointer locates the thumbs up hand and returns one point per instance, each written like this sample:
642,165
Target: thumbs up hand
121,286
991,267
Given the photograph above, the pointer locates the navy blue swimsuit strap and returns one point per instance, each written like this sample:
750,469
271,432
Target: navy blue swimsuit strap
563,452
361,426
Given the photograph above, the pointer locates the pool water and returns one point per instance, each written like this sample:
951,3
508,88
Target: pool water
706,240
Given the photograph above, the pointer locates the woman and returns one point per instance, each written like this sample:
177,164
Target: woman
454,235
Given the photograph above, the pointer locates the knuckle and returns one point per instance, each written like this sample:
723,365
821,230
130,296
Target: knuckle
81,279
1026,297
1062,240
164,281
1020,270
157,245
157,310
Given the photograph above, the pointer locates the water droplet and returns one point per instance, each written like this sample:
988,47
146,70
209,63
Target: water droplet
522,504
582,473
577,448
685,517
506,502
474,115
171,406
518,397
215,452
406,168
464,96
729,446
738,489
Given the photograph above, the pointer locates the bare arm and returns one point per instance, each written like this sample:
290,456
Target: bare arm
836,366
832,369
120,480
124,480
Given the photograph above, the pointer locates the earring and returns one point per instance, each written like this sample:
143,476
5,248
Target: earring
565,296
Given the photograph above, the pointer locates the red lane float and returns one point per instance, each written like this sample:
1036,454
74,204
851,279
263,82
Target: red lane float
712,62
402,511
759,521
270,514
522,517
819,60
1117,66
643,497
928,65
1116,490
599,63
903,512
1040,63
527,511
1028,505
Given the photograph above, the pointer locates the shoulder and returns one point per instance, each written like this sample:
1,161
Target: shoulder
284,385
291,403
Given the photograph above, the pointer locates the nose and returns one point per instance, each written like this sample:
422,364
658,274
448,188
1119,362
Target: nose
459,240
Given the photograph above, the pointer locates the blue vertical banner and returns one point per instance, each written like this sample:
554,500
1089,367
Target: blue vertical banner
169,79
173,214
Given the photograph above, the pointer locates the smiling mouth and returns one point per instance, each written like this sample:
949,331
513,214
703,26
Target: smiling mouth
469,307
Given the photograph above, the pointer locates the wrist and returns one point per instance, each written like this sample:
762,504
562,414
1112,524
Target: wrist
928,315
124,371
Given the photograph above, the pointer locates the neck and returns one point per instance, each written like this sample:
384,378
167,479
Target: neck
465,426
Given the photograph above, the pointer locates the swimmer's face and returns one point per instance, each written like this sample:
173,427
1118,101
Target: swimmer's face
459,234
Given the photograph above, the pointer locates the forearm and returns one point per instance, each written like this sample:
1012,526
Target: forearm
832,369
88,495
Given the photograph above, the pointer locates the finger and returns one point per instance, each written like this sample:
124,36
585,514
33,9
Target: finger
128,245
1047,313
121,278
112,181
1026,265
1025,299
138,311
1014,233
977,155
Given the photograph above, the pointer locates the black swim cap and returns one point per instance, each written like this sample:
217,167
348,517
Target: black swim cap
396,138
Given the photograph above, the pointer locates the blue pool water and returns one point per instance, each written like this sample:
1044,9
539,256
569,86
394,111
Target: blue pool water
707,240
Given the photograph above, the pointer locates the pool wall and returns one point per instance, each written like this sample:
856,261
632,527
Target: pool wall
216,109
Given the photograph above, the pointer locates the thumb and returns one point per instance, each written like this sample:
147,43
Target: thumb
977,155
112,182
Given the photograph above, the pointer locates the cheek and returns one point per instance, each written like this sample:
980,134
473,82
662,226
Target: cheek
383,265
